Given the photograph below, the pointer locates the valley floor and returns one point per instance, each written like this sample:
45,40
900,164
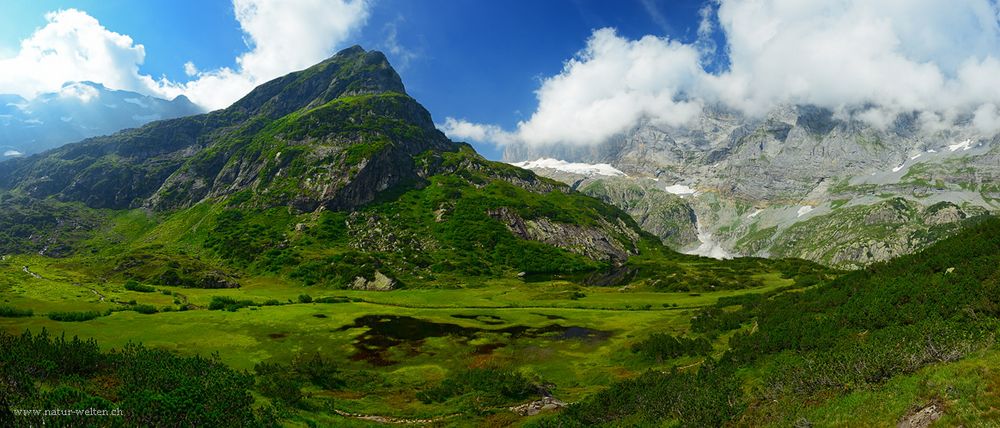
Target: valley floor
574,340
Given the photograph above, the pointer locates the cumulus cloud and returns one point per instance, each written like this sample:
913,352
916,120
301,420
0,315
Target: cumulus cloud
462,129
72,46
873,59
284,36
281,37
190,69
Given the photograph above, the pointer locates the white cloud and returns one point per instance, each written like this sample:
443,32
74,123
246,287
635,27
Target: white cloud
986,118
460,129
282,36
402,55
73,46
612,84
874,59
84,93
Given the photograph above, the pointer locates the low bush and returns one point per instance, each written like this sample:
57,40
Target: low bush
12,312
133,285
75,316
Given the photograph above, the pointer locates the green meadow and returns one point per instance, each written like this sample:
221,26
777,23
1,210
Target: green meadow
573,339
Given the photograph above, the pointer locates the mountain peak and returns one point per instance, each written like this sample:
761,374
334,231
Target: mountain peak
352,71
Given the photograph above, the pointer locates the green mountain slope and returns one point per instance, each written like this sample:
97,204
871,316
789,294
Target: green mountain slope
793,354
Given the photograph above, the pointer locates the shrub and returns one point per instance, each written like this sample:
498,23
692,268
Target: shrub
305,298
74,316
229,304
145,309
133,285
12,312
662,346
332,299
485,386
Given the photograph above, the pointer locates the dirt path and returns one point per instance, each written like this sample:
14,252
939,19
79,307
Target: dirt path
392,420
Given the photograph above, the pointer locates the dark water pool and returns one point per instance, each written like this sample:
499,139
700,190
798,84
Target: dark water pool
385,332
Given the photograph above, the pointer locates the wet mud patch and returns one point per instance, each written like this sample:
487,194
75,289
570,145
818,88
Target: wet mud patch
386,332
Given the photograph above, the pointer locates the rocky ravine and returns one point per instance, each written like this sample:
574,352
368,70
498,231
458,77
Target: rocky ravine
800,182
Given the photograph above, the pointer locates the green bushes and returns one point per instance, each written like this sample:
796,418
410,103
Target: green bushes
285,382
149,386
12,312
708,397
230,304
484,387
133,285
855,331
305,298
76,316
145,309
662,346
338,270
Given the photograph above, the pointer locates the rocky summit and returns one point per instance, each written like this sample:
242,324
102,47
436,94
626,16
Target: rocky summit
801,181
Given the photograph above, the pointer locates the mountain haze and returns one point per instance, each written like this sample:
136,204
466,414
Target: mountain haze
78,110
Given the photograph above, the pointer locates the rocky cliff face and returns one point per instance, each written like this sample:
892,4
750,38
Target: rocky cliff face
751,181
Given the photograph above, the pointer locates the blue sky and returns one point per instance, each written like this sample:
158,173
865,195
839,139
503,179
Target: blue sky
538,72
476,60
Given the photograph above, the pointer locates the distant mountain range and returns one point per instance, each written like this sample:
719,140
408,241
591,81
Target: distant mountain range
801,181
78,110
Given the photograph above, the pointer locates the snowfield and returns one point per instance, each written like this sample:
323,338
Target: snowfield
680,189
572,167
964,145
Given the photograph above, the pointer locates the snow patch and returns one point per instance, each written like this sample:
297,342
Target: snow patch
805,209
896,169
12,153
964,145
680,189
754,214
914,157
932,151
571,167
